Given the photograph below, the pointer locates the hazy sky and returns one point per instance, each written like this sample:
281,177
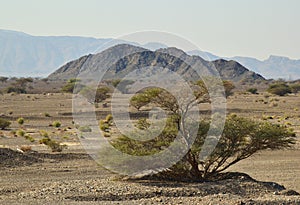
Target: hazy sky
256,28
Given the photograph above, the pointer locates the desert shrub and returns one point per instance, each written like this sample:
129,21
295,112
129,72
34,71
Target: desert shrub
29,137
295,88
52,144
85,129
142,124
4,123
280,89
3,79
105,124
115,82
47,114
20,121
21,133
56,124
70,85
44,133
252,90
95,95
12,89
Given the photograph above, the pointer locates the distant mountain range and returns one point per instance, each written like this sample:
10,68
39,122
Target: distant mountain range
274,67
122,59
26,55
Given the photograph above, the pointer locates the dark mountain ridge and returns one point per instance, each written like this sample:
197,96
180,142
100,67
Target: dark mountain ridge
122,59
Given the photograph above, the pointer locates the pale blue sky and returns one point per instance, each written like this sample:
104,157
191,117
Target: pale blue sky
255,28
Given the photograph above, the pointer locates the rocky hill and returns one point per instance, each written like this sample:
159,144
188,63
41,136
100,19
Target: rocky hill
122,59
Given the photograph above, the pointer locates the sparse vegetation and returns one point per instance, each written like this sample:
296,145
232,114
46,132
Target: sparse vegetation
29,137
56,124
47,114
4,123
52,144
70,85
280,89
95,96
20,121
105,124
85,129
252,90
20,133
295,87
241,139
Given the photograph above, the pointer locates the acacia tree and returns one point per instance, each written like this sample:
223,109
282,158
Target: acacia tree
241,137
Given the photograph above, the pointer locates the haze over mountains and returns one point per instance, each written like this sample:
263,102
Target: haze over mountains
26,55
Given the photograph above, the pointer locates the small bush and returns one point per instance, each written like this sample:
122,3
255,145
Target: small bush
104,126
280,89
21,133
295,88
4,124
47,114
14,90
109,118
56,124
142,124
44,133
252,90
29,137
53,145
20,121
85,129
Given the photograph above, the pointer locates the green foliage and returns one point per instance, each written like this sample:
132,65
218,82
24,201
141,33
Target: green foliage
252,90
85,129
70,85
149,95
29,137
279,88
21,133
101,94
142,124
20,121
44,133
109,118
115,82
56,124
105,124
19,86
12,89
96,96
295,88
47,114
52,144
3,79
241,138
4,123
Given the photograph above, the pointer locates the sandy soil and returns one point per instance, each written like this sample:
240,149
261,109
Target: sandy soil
72,177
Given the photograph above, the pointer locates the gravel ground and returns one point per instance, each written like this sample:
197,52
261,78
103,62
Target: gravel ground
74,178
